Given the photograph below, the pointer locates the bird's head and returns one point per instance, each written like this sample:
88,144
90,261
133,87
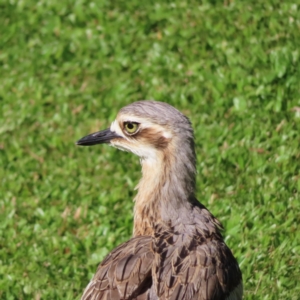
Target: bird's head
147,129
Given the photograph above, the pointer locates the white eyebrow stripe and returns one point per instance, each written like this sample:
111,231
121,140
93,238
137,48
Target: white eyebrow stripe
116,128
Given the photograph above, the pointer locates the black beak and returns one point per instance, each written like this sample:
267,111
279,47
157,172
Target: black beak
100,137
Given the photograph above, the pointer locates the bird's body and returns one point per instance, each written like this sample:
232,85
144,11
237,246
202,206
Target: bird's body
177,250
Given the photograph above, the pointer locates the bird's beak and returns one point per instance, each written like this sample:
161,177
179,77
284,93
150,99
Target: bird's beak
100,137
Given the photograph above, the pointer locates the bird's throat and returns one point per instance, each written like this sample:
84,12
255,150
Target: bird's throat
163,194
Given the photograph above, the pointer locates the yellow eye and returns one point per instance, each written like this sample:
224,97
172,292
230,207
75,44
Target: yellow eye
131,127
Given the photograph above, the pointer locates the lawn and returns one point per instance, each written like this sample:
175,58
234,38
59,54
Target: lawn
67,67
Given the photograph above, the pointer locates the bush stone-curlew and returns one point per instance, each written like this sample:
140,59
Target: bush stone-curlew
177,250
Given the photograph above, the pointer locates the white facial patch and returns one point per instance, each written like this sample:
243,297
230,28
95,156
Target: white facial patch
114,127
167,134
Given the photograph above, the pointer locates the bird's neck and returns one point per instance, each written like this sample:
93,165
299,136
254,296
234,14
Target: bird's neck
164,192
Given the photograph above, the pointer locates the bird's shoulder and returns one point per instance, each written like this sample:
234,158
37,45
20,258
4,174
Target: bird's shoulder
194,262
124,273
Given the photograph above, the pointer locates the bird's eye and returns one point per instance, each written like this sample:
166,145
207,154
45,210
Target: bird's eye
131,127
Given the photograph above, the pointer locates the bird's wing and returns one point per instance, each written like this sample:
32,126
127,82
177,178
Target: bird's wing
195,270
125,273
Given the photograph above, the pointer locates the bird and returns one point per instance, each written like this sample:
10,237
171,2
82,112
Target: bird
177,250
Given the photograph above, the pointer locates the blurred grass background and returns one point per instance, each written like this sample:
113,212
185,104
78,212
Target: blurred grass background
67,67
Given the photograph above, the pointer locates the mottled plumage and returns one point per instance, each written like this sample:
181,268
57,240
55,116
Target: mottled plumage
177,250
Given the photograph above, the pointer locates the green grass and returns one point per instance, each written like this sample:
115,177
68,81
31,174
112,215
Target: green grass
67,67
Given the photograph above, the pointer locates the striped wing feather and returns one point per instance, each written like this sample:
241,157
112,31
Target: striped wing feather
125,273
193,270
175,267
